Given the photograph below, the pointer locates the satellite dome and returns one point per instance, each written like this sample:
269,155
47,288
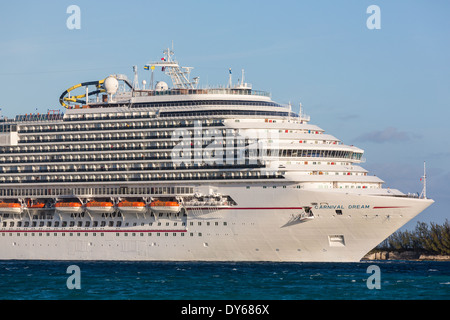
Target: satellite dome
161,86
111,85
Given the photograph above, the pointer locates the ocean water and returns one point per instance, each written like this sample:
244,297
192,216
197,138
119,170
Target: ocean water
397,280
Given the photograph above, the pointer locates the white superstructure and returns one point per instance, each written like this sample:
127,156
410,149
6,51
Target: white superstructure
214,174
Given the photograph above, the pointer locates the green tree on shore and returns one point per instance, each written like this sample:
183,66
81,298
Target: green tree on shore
432,239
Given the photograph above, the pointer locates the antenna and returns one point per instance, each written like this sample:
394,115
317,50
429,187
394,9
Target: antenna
424,181
180,78
290,109
135,80
229,80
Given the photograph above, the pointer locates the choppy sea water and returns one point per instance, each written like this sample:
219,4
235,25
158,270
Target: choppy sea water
398,280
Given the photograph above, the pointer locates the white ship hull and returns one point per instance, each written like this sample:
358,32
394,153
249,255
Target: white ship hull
260,229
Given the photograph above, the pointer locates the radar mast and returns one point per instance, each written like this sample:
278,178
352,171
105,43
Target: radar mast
179,75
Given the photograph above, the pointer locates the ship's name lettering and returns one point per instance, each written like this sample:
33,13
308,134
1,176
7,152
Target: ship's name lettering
340,206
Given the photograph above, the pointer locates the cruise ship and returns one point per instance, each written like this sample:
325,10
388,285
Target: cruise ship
143,171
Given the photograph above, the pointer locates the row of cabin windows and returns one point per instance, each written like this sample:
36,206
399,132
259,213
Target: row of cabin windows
185,176
116,146
95,224
126,234
118,125
300,153
134,135
96,191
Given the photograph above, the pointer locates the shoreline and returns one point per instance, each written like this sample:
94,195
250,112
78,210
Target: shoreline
404,255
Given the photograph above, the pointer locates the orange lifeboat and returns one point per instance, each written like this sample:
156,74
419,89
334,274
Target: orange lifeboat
132,206
165,206
70,207
100,207
37,206
10,207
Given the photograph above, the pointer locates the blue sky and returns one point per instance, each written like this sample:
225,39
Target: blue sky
386,91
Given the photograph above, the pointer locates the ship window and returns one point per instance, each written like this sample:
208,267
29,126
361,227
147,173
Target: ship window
339,212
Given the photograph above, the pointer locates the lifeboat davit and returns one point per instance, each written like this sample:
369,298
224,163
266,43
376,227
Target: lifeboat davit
69,207
100,207
165,206
132,206
6,207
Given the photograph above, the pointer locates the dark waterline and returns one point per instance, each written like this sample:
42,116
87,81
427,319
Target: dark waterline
399,280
